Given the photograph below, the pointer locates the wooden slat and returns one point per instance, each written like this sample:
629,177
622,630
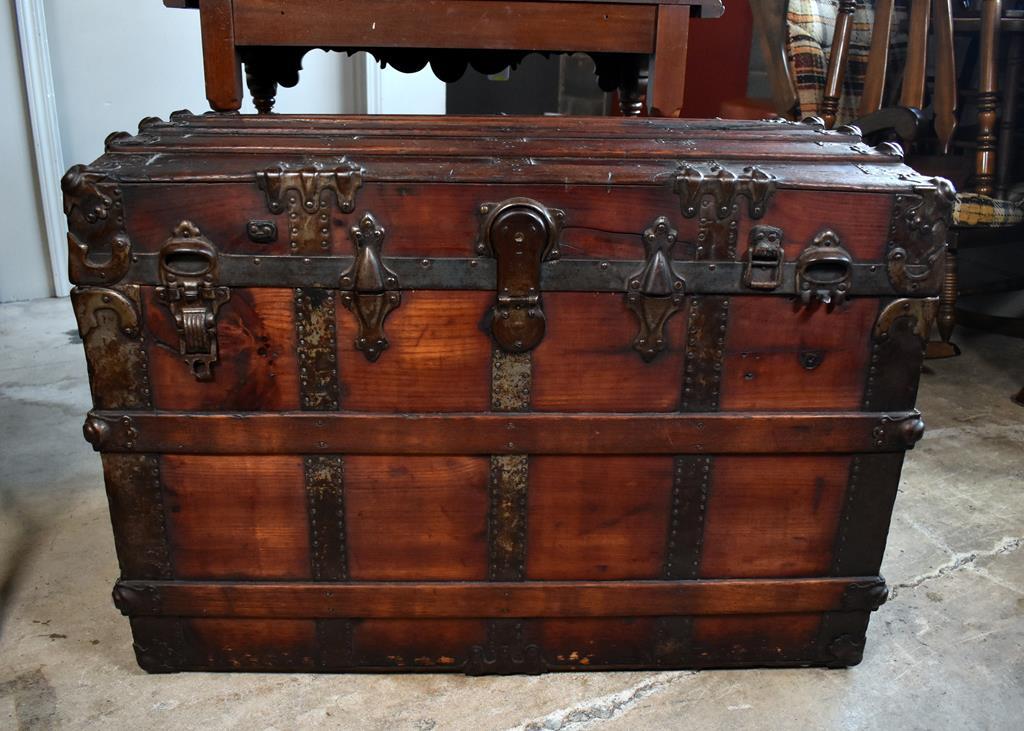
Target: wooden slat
667,87
944,97
837,61
483,599
912,94
878,59
553,26
531,433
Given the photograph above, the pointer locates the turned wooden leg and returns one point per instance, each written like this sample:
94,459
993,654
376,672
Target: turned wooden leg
270,67
263,90
837,62
946,318
988,97
633,87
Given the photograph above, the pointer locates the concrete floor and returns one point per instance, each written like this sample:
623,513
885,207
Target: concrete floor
946,651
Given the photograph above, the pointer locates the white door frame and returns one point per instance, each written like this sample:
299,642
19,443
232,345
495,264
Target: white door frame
373,89
49,158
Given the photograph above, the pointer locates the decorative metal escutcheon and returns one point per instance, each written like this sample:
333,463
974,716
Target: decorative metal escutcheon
188,272
521,234
763,269
656,292
369,289
824,271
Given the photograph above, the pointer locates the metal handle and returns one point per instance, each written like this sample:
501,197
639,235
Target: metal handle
824,271
188,270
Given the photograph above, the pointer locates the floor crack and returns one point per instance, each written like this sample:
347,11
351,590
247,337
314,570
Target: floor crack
956,562
603,708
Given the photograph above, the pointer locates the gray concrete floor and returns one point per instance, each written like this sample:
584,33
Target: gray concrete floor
946,651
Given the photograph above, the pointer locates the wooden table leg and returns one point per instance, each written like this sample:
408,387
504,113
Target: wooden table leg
633,79
222,64
1006,154
669,60
988,97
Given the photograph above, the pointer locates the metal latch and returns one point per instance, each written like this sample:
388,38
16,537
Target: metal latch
656,292
764,258
824,271
521,234
370,290
188,271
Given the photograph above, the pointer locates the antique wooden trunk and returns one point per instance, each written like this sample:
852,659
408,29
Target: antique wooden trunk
500,395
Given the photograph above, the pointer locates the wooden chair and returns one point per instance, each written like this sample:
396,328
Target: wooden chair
974,208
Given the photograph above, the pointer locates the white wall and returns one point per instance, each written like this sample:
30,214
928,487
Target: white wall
419,93
24,262
117,61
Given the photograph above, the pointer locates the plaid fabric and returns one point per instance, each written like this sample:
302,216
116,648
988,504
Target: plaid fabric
811,26
971,209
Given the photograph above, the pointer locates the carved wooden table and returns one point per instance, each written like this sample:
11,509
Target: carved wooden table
629,40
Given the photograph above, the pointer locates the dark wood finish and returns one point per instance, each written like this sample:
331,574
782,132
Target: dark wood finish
912,94
878,59
1008,153
669,71
138,515
944,101
289,644
736,641
988,97
532,433
867,509
446,504
623,35
221,57
623,28
382,600
836,71
433,644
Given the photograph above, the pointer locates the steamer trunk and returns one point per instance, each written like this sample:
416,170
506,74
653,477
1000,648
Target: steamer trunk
500,395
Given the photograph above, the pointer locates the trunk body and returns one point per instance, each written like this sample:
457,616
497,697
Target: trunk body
500,395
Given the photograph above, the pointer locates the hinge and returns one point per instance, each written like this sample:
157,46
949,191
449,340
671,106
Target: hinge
521,234
188,271
369,289
305,194
656,292
703,185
